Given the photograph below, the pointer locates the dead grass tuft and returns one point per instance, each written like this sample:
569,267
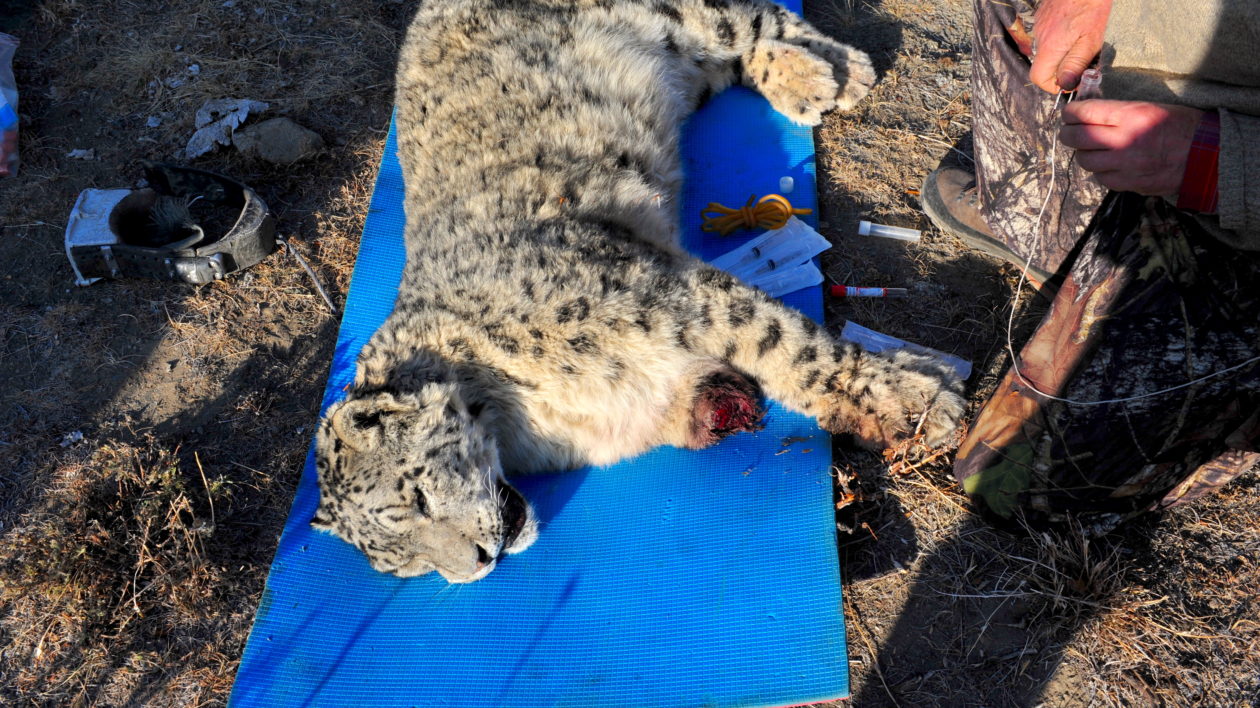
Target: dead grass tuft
1180,627
114,556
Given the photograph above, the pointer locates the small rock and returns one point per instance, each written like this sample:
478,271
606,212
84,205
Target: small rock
153,122
194,69
82,154
71,438
279,141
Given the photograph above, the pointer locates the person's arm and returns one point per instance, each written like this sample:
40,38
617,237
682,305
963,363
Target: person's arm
1204,161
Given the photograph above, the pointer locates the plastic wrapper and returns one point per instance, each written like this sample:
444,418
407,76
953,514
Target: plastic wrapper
873,341
779,261
788,280
8,107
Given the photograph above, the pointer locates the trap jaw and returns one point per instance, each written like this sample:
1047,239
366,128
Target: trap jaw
151,233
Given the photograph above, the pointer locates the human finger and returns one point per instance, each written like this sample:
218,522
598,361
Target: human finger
1045,64
1126,171
1149,184
1096,111
1088,136
1068,36
1135,160
1103,160
1073,65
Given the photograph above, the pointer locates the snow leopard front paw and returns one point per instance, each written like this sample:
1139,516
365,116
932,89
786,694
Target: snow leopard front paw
851,69
797,83
804,82
888,397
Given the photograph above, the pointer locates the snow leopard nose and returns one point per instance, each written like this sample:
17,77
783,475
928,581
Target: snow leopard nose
483,558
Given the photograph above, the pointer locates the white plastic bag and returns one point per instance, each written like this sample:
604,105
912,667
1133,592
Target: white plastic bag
8,107
216,120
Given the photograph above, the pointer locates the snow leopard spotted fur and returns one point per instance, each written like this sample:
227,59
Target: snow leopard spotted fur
547,316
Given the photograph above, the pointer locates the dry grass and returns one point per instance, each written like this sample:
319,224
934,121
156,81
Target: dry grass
975,616
131,562
117,541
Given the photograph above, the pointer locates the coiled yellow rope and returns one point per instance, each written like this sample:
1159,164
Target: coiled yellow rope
771,212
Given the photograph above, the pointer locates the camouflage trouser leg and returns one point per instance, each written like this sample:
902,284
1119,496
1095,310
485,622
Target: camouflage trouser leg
1149,302
1037,214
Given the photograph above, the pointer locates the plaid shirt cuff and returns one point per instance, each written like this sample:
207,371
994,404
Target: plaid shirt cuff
1198,184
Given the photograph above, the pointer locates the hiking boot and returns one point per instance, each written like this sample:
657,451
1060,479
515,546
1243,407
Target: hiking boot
952,201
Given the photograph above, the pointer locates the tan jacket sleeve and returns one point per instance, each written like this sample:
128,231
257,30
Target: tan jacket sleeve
1239,180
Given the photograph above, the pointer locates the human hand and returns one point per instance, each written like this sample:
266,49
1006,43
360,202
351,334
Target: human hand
1131,146
1067,35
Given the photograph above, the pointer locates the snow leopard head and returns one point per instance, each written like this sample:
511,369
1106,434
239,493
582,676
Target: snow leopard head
414,481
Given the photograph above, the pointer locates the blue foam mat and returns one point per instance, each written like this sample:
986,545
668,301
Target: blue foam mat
678,578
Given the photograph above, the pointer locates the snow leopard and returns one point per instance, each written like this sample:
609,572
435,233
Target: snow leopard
547,316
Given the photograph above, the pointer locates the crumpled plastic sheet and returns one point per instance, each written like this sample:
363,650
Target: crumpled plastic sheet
216,120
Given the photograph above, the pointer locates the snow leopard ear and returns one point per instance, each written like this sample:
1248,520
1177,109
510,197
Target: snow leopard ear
359,422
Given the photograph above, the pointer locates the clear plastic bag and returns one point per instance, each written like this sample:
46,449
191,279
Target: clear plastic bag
8,107
779,261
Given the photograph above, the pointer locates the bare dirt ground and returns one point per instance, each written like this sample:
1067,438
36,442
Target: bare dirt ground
132,559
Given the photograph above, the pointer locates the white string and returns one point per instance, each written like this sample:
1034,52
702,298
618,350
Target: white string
1023,277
